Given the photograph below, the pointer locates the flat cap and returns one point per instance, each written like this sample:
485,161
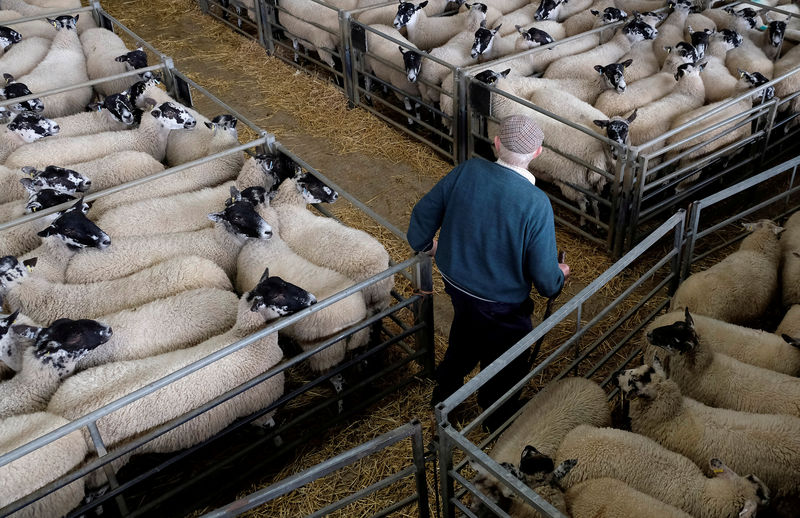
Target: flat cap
520,134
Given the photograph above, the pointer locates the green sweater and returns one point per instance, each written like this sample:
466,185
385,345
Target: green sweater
497,232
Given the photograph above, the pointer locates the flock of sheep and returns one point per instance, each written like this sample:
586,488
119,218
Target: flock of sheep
659,66
107,299
714,411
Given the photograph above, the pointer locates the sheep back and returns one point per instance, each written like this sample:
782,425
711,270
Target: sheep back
612,498
23,57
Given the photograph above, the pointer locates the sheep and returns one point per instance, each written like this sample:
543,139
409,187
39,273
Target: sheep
790,265
114,113
69,232
540,428
748,56
488,45
218,135
79,395
15,185
671,31
609,52
31,29
765,445
8,37
665,475
641,6
770,40
752,346
42,466
642,92
221,244
653,120
101,47
600,13
51,357
538,62
24,56
23,238
406,64
645,63
45,301
187,211
64,65
24,128
14,89
718,81
698,22
317,327
32,9
560,10
740,18
117,168
789,85
740,287
721,381
456,52
10,360
612,498
315,28
327,243
790,324
385,15
150,137
428,33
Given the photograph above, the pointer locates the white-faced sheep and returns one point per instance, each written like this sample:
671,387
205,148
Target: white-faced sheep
186,211
150,137
282,261
33,8
24,128
24,56
790,261
721,381
753,443
326,242
45,301
42,466
428,33
272,298
102,47
740,287
580,65
64,65
747,345
612,498
540,428
52,356
667,476
671,31
235,224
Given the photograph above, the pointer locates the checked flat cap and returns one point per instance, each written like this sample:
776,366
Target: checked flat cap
520,134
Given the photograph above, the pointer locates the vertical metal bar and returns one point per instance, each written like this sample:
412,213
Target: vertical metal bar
467,140
101,450
691,238
446,483
203,6
636,203
423,313
259,15
624,203
578,327
773,113
676,261
461,129
268,21
418,453
350,85
619,171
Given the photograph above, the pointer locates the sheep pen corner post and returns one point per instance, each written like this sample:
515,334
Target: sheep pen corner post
423,313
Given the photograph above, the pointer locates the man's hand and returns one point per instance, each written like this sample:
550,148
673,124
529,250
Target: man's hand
432,251
564,267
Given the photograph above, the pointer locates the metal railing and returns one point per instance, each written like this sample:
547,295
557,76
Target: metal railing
412,430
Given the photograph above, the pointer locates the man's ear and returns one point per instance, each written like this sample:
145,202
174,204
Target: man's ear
538,152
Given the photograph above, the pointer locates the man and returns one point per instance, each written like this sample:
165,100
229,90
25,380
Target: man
497,237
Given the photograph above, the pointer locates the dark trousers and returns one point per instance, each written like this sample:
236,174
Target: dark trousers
481,331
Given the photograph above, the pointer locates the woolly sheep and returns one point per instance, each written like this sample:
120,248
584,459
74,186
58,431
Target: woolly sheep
42,466
580,65
212,137
31,29
428,33
740,287
753,346
220,244
748,56
599,13
15,184
642,92
114,113
671,31
537,62
561,10
51,357
150,137
789,85
282,261
186,211
9,357
326,242
765,445
698,22
45,301
542,425
80,394
117,168
24,128
720,84
64,65
23,238
770,39
645,63
790,324
102,47
665,475
385,15
306,23
24,56
721,381
32,8
641,6
612,498
790,267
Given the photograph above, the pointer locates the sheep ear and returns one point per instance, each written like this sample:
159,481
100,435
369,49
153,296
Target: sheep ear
689,320
49,231
28,184
235,194
9,78
505,72
210,125
626,63
601,123
258,301
750,227
519,29
402,50
28,170
594,12
791,341
483,24
156,113
216,216
721,470
30,263
25,331
598,68
563,469
632,116
658,366
494,31
668,48
264,276
423,4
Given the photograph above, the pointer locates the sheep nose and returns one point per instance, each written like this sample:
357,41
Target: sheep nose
312,299
396,25
87,184
189,125
105,242
266,234
650,336
56,129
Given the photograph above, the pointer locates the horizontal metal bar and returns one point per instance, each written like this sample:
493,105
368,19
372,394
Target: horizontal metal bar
118,25
48,14
358,495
